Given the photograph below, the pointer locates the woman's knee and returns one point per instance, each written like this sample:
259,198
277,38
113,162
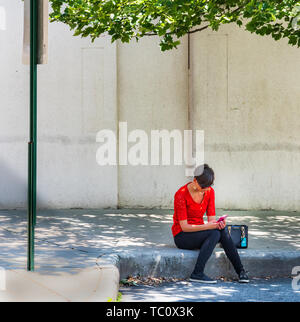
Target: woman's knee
225,233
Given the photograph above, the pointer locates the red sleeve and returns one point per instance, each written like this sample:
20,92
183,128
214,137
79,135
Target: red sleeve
211,209
180,206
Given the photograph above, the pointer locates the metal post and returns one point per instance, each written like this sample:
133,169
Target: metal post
32,151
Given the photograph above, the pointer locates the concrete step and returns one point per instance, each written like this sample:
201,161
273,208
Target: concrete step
176,263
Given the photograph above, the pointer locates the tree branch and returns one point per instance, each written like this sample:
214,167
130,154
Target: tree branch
198,29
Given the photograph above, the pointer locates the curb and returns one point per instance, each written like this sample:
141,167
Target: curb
177,263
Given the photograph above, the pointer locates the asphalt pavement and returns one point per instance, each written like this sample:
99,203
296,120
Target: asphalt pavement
258,290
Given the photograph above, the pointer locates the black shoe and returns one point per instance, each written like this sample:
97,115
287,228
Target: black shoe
243,277
202,278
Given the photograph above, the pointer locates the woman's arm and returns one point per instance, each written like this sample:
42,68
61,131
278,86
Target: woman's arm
211,210
191,228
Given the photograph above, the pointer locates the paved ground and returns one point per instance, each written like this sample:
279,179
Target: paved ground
141,240
91,230
259,290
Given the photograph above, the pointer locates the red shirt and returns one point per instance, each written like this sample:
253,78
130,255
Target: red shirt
186,208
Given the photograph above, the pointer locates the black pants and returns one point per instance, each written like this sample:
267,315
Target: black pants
206,241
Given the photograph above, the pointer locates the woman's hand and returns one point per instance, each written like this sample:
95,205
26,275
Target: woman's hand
221,224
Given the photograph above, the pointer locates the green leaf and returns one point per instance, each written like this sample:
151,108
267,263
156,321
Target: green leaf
171,19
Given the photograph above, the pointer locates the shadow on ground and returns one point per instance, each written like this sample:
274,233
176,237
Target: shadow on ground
76,237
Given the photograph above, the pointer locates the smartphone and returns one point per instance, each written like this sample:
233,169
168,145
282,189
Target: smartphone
222,218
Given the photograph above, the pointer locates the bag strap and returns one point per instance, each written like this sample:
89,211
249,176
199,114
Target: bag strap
243,232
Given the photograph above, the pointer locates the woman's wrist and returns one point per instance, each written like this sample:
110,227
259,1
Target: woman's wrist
212,225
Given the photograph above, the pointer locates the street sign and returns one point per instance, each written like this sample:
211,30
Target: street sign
42,32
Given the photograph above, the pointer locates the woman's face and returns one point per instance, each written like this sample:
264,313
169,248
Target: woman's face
199,187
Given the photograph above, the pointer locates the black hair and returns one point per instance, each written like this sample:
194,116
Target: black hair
204,175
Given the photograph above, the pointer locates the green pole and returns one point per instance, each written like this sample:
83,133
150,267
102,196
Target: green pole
32,151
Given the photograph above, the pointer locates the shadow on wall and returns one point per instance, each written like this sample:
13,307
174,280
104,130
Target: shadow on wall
13,188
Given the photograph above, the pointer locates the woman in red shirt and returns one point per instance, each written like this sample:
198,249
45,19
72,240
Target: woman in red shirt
189,230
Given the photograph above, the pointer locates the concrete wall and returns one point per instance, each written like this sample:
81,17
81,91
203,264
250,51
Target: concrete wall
152,94
76,98
243,91
246,97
